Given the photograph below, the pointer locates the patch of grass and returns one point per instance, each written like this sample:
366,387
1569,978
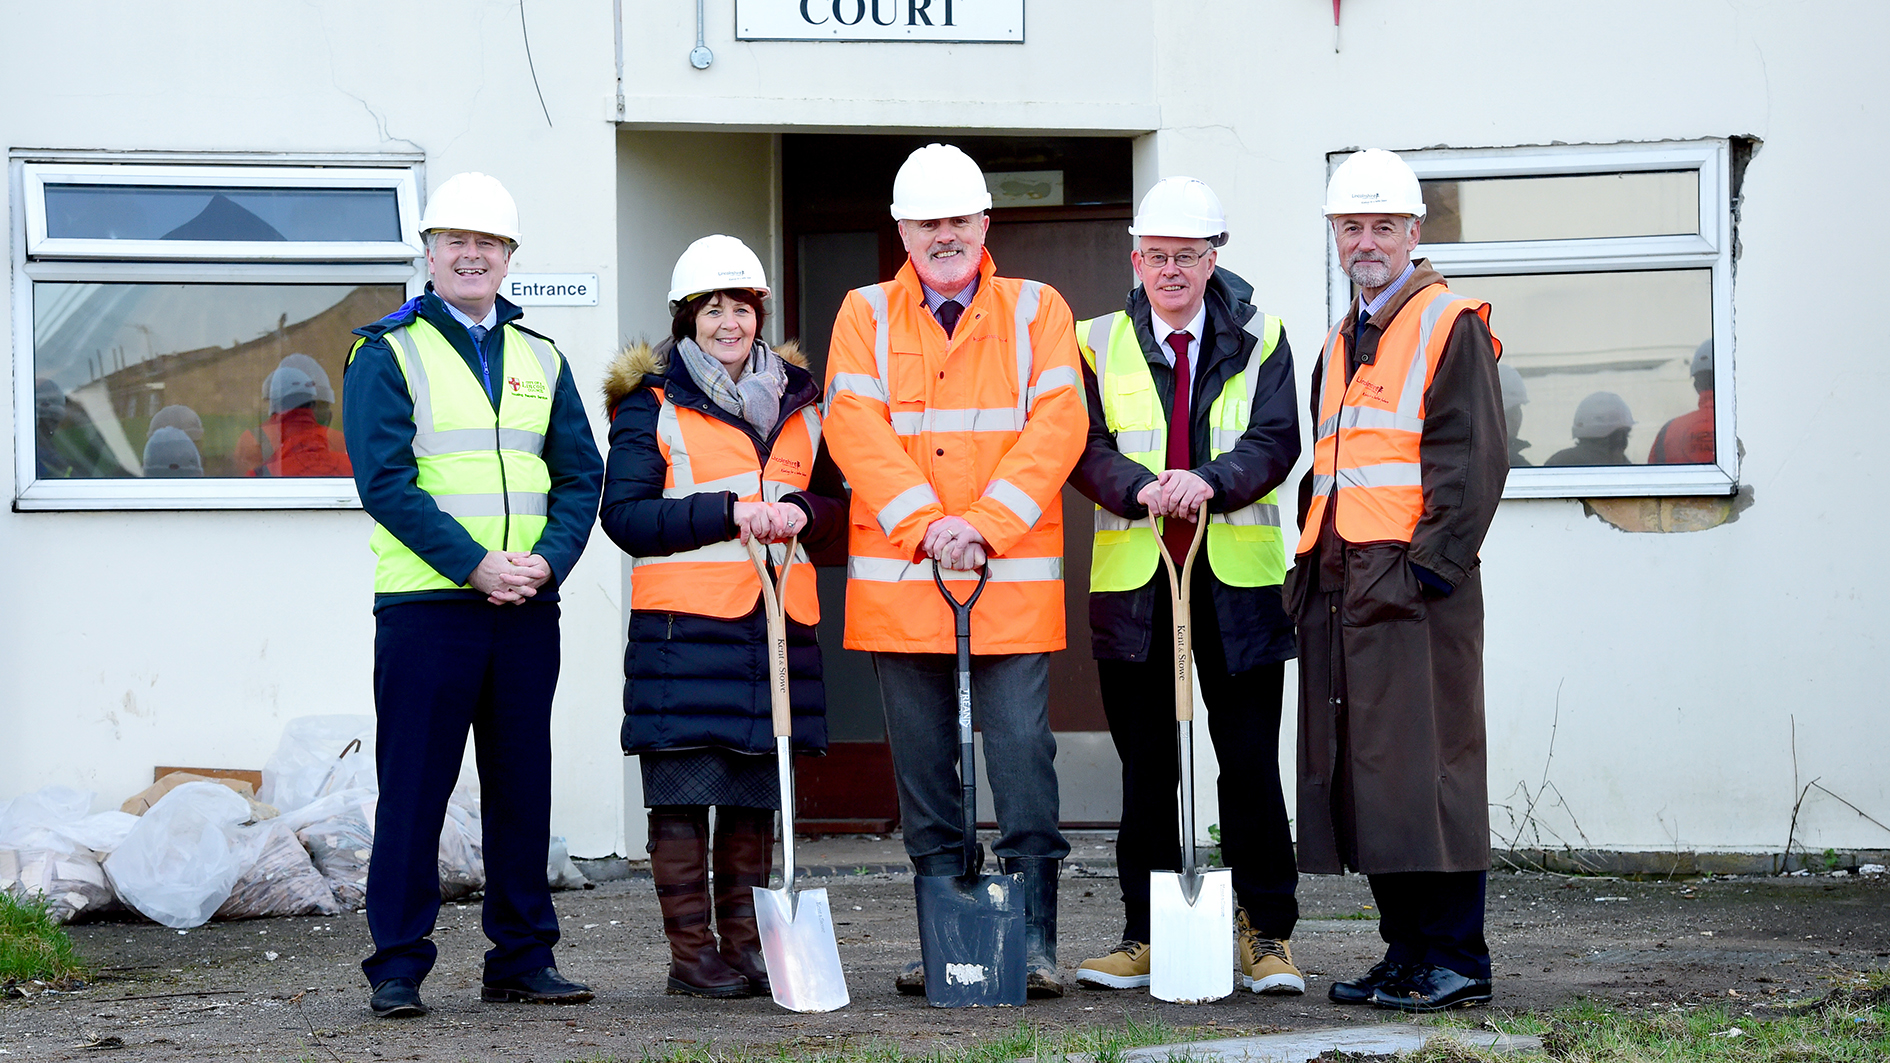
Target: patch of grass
32,946
1099,1044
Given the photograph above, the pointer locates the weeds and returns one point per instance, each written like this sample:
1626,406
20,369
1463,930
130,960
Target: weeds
32,946
1022,1042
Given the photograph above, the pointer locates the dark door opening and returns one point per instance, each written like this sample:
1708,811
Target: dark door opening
838,235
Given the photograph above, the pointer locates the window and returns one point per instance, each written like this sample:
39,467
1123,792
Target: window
180,330
1609,274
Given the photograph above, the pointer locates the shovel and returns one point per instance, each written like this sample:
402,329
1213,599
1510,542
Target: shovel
971,926
797,942
1191,914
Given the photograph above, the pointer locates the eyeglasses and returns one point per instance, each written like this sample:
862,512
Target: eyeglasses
1181,259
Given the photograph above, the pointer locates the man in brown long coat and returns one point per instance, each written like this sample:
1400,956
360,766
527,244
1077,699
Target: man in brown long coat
1409,461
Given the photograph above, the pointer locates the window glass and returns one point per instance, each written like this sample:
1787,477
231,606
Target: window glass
1604,368
139,212
220,380
1661,203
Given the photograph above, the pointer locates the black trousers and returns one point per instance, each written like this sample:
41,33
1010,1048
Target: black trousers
1243,719
441,668
1434,918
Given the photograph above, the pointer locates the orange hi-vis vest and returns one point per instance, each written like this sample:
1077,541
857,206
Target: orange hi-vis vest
986,425
707,454
1365,450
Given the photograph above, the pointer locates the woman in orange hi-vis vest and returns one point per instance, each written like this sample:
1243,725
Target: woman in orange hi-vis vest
714,439
957,414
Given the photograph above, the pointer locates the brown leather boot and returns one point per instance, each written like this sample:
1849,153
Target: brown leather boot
744,854
679,862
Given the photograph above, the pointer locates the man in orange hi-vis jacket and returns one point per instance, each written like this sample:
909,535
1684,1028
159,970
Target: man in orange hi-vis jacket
956,413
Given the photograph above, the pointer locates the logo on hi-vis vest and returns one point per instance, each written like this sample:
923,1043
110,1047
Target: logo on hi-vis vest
1373,391
531,389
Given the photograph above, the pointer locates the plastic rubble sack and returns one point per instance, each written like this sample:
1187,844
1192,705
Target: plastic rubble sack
50,846
560,872
462,847
282,880
317,756
338,831
142,801
180,862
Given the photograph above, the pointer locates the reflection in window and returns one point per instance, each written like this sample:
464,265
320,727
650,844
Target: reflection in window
138,212
1584,206
1596,365
182,380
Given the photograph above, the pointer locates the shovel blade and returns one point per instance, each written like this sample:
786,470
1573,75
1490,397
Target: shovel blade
1191,946
971,934
797,943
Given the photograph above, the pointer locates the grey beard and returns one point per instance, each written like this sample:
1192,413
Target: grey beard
1370,274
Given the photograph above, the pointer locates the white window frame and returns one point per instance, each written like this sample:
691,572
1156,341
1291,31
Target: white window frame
37,257
1710,248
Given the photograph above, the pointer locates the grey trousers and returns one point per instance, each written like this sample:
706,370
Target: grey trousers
1010,704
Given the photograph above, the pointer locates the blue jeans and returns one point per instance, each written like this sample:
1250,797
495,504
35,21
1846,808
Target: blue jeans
1010,704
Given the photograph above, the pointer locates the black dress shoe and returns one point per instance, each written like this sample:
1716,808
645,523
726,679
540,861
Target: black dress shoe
1359,990
397,998
1426,989
543,986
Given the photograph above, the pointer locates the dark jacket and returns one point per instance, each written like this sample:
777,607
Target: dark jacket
694,681
1255,629
1392,747
377,420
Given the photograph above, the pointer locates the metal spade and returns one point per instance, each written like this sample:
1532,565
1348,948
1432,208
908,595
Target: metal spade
1191,914
971,926
797,941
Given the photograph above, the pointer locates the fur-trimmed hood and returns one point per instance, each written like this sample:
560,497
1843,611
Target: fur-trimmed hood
636,362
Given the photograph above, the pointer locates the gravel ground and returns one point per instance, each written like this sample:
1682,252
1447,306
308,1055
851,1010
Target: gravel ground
291,989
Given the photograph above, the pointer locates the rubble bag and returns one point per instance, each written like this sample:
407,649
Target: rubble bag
180,861
338,831
319,755
50,849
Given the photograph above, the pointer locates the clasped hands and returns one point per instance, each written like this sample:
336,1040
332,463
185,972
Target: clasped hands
1175,493
769,522
955,544
509,577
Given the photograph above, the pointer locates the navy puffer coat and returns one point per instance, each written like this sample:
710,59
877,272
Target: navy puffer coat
693,681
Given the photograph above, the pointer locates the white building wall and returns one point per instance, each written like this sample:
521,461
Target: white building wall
1679,662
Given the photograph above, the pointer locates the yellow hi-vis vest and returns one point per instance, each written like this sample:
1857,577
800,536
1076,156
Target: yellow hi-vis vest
483,469
1244,547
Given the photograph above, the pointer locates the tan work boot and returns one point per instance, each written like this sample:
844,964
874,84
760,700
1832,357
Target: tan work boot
1125,967
1266,964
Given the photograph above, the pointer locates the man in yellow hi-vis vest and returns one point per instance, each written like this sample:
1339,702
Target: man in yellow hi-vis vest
1191,399
474,456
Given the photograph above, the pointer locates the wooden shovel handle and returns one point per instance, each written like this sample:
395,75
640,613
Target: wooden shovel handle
1179,596
771,597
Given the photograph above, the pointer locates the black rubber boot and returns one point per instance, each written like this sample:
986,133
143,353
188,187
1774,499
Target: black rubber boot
1039,876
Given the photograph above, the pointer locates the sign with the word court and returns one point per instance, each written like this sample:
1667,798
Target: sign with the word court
924,21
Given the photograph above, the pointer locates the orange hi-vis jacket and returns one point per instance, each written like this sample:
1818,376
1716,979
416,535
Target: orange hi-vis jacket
1366,458
985,425
705,454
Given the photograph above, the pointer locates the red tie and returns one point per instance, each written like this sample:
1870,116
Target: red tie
1177,533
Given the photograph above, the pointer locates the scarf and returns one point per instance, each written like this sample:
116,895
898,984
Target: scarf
755,398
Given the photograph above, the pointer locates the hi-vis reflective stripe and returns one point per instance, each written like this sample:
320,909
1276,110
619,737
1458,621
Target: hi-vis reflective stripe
742,484
1014,499
1003,570
905,504
995,419
1002,419
732,550
1029,300
1259,514
428,443
875,297
1099,344
1384,474
865,385
1062,376
1140,441
513,503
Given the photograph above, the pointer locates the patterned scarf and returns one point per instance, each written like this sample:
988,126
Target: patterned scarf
755,398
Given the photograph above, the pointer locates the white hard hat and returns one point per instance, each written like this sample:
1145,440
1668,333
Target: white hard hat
474,203
169,452
1374,181
290,387
714,263
182,418
1702,359
324,391
1182,207
939,181
1601,414
1515,392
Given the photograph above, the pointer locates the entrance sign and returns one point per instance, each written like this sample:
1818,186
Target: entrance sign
926,21
551,289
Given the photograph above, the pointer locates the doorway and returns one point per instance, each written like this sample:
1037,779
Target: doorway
1061,219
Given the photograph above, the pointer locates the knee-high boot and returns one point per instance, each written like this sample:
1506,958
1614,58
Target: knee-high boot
679,862
744,854
1039,876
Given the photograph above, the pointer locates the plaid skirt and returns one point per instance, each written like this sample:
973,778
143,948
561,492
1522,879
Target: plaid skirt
710,776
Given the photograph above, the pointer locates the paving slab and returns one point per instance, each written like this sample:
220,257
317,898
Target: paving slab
1298,1046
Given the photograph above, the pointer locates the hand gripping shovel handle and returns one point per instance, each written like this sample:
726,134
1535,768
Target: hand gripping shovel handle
1179,597
772,594
967,751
